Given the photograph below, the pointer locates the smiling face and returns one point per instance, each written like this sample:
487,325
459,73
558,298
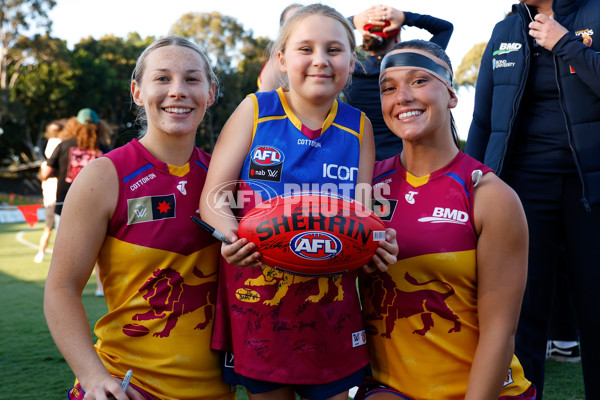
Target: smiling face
416,104
174,90
317,58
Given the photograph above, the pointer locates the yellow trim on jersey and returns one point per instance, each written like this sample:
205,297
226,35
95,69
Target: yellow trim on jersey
255,117
416,181
332,114
179,171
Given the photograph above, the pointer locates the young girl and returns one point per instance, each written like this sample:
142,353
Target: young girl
130,210
442,320
302,334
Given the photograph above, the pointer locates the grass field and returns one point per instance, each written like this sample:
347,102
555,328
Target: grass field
32,368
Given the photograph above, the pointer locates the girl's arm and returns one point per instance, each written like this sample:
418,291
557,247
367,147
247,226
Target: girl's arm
388,249
502,250
220,186
88,208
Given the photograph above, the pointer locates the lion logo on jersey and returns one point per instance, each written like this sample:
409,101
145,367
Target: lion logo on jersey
170,297
285,280
390,303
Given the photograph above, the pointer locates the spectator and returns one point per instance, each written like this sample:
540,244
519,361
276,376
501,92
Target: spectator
49,184
536,124
381,28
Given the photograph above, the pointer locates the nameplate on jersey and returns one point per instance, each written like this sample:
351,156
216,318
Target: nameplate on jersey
266,163
150,208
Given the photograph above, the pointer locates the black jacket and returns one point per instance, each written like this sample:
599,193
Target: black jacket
502,76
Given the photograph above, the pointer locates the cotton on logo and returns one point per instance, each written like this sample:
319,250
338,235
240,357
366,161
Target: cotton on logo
446,215
266,155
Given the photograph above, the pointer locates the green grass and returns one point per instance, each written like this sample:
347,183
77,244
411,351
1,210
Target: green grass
31,367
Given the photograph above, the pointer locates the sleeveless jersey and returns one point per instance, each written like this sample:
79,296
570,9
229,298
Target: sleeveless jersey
421,315
159,272
282,327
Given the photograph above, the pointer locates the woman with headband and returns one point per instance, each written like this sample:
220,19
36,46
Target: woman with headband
441,321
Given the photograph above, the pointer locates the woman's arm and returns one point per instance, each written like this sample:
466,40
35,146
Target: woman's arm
388,249
89,205
502,249
223,174
439,28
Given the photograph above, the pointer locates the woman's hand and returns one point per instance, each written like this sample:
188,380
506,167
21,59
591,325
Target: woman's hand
385,254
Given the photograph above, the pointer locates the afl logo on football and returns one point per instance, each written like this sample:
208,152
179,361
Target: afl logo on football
315,245
267,156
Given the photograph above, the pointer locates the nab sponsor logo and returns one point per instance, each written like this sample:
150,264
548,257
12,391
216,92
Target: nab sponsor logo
446,215
267,156
507,48
339,172
315,245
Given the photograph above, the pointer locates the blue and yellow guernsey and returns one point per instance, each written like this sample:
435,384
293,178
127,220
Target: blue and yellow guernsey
159,272
281,327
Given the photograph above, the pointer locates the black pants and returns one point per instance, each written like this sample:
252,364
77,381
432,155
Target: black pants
555,213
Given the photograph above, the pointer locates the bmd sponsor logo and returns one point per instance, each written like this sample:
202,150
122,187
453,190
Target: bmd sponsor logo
507,48
315,245
446,216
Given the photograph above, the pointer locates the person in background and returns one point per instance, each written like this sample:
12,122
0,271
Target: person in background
381,27
85,138
49,184
130,210
536,123
309,128
563,338
269,77
441,320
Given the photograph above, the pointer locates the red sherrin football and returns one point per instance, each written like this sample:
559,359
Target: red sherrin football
313,233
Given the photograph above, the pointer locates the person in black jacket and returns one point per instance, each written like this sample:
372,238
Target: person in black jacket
537,124
381,27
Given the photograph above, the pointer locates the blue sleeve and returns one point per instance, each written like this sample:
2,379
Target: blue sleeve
481,125
584,60
439,28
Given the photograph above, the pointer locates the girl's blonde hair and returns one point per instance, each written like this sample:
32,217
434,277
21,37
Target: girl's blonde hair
313,9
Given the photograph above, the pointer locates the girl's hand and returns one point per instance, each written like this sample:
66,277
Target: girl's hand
240,252
385,254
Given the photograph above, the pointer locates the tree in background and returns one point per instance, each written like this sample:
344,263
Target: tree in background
468,70
236,58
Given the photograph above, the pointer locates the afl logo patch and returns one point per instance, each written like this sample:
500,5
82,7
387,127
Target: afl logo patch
267,156
266,163
315,245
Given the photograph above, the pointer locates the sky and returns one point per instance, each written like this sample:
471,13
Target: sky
473,22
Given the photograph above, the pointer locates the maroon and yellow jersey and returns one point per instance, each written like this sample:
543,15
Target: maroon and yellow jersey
421,315
159,272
